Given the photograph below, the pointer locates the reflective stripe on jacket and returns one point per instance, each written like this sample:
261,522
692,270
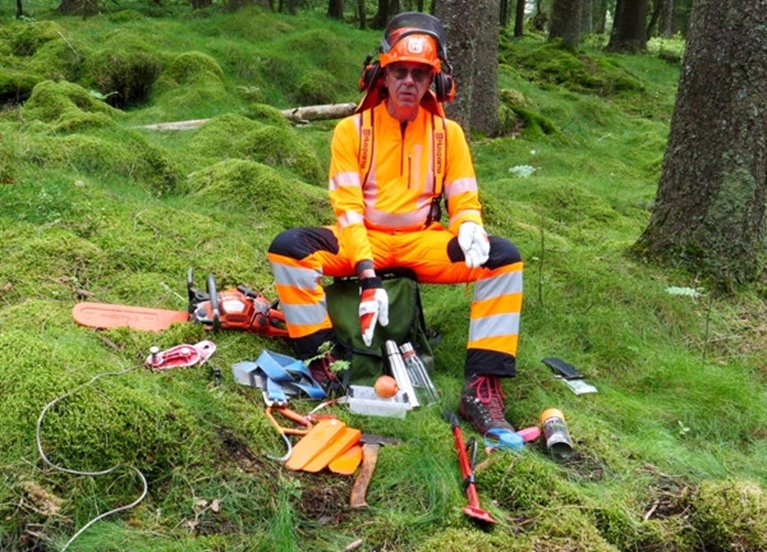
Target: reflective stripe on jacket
398,190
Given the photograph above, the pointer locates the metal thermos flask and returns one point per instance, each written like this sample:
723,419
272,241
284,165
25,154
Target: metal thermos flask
555,432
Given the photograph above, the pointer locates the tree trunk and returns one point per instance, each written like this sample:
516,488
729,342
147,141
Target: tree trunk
600,16
200,4
566,22
519,19
539,19
503,18
666,22
472,33
79,7
362,15
657,9
709,213
587,17
381,16
336,9
630,27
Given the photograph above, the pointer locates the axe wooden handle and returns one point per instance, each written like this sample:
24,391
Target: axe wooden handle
360,488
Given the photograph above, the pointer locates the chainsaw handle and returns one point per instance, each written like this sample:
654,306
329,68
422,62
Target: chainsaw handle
213,297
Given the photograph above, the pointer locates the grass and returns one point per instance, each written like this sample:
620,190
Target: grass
669,453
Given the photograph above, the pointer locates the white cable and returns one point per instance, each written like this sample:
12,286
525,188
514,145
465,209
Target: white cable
77,472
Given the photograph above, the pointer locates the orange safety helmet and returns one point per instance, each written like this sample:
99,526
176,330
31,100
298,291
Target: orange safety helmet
413,37
414,46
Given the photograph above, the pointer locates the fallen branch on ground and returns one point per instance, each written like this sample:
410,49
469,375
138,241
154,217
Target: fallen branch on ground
296,115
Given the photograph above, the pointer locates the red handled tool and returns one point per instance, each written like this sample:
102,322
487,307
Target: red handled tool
473,509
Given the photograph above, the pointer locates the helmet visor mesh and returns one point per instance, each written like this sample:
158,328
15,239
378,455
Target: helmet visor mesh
407,23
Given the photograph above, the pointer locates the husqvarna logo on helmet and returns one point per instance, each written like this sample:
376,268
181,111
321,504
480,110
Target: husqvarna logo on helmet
416,44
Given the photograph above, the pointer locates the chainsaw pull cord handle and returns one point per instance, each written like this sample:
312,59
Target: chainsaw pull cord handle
213,294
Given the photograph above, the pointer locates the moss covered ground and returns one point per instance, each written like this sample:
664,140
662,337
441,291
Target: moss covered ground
670,453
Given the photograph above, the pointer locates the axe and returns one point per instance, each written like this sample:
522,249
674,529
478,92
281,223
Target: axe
370,447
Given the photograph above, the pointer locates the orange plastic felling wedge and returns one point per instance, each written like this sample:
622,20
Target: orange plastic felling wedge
343,442
348,462
314,442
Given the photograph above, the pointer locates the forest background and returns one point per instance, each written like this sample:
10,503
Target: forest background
669,452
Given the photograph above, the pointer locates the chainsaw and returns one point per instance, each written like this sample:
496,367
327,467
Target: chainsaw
240,308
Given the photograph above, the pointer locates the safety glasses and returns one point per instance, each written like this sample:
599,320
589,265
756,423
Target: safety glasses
419,74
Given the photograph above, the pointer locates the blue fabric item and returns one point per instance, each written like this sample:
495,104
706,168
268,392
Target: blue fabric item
500,438
284,374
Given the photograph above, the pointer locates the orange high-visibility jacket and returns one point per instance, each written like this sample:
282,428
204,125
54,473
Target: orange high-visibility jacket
397,191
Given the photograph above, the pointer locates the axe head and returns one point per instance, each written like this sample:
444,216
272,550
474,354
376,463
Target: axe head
380,440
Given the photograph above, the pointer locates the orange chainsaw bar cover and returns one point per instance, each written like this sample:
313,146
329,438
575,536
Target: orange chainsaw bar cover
105,316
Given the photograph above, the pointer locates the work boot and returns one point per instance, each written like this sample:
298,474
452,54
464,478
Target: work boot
482,404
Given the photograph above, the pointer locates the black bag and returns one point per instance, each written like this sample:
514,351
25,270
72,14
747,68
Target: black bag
406,323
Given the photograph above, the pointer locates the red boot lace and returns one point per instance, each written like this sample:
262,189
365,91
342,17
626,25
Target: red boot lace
490,393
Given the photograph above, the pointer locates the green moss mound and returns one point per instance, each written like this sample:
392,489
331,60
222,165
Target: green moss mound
108,153
67,106
267,114
316,87
54,263
191,81
236,136
16,85
126,16
323,49
218,136
569,206
517,112
238,183
24,38
282,147
124,70
552,62
60,59
189,68
732,515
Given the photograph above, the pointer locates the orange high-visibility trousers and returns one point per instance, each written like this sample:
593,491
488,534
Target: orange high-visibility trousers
300,257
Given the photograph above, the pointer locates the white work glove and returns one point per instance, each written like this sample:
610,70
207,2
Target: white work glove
474,243
374,307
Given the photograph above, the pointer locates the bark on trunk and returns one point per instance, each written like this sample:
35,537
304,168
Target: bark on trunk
362,14
630,27
587,16
566,22
386,10
519,19
19,10
79,7
504,14
600,16
667,19
657,9
710,208
472,35
336,9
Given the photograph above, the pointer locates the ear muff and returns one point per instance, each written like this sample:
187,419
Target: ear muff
371,72
444,87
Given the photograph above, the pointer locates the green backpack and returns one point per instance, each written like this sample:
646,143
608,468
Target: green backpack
406,323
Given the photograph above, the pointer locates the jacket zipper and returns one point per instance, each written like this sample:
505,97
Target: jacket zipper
403,128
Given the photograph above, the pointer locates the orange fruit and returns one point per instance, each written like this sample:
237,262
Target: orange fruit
386,386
